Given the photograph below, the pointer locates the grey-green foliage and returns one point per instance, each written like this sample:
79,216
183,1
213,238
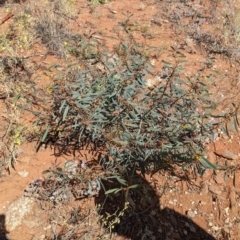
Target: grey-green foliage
140,127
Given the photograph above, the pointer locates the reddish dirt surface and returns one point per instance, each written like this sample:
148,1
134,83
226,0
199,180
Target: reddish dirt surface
211,201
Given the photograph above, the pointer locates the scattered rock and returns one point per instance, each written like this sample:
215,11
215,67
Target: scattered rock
176,235
100,66
215,228
219,178
173,220
214,188
190,214
47,227
17,210
192,229
226,154
153,212
23,173
204,187
226,210
227,220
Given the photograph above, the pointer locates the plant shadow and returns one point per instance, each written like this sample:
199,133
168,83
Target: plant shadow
143,218
3,230
2,2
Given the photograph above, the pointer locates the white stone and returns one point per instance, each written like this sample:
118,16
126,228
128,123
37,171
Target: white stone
23,173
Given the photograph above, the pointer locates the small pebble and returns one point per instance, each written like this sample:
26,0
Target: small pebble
192,229
190,214
173,220
226,210
215,228
48,227
187,224
227,220
23,173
